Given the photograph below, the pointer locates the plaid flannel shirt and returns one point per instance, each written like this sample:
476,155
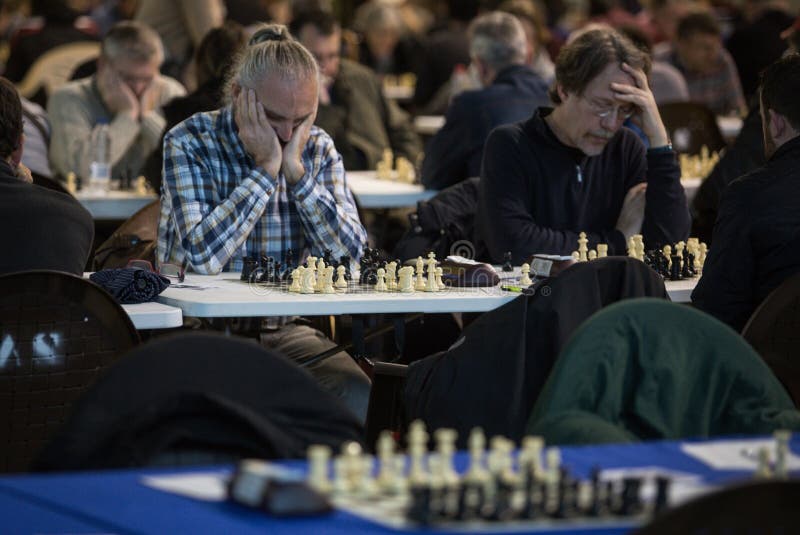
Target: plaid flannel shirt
217,206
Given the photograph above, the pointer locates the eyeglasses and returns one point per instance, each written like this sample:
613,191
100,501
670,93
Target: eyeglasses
622,112
171,271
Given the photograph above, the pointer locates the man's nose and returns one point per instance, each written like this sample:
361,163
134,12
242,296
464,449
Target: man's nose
284,132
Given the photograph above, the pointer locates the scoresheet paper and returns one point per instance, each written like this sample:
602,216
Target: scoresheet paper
736,454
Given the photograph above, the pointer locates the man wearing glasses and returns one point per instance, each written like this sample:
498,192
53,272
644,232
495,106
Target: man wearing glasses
127,93
574,169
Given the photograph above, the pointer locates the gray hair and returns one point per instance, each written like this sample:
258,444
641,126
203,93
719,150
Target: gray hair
498,39
132,40
271,50
379,17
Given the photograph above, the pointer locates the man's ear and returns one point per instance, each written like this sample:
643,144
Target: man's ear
16,156
561,93
235,90
777,124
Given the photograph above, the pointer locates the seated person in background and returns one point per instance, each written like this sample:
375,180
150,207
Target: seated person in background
127,92
666,82
213,60
257,178
537,34
37,138
352,108
386,47
575,169
757,234
708,68
511,92
39,228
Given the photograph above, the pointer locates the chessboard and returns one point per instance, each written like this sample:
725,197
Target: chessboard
492,487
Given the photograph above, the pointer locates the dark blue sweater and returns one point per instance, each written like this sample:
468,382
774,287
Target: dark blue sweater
537,194
455,152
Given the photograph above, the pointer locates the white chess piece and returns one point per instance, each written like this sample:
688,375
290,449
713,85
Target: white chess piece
417,448
582,247
602,250
420,284
531,455
592,255
525,280
446,448
296,275
431,281
318,457
406,274
782,437
476,444
327,281
380,286
391,275
638,245
439,282
320,275
72,183
386,470
309,281
631,247
341,282
576,257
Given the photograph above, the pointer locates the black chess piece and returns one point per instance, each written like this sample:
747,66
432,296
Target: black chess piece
420,509
327,256
470,498
344,260
631,503
503,502
508,265
267,269
675,269
248,265
534,499
567,495
688,266
288,260
662,494
597,506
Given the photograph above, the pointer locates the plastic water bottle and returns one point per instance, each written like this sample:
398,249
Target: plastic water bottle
100,166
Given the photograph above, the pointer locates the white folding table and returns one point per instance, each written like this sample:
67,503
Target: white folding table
370,192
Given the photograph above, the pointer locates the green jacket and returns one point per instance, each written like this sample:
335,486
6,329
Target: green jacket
649,369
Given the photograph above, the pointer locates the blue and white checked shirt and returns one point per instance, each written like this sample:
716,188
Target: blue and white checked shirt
217,206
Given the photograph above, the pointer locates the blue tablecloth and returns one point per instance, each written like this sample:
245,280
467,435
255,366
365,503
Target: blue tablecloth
117,501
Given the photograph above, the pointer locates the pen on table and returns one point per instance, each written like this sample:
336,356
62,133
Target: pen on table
509,288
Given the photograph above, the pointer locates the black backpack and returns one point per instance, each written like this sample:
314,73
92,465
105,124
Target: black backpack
443,224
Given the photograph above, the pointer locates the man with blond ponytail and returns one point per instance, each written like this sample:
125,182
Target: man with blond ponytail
256,178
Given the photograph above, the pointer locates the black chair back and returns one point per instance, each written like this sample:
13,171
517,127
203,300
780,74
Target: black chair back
197,398
774,332
58,333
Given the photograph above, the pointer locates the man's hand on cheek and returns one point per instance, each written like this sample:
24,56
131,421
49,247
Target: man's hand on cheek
257,135
292,165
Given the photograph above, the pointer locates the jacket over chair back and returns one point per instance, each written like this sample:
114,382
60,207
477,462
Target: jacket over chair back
492,375
58,333
774,332
648,369
199,398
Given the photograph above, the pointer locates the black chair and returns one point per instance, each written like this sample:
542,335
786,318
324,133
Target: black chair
58,332
492,376
753,507
774,332
691,125
198,398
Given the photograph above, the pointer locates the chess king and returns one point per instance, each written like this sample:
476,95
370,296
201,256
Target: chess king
574,168
256,178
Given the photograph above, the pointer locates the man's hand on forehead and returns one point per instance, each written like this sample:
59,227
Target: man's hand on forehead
640,95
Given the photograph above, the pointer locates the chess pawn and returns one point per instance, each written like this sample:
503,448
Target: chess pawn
602,250
380,286
525,280
141,185
582,247
592,255
446,448
576,256
341,282
420,284
327,281
406,274
296,276
439,282
309,281
417,439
